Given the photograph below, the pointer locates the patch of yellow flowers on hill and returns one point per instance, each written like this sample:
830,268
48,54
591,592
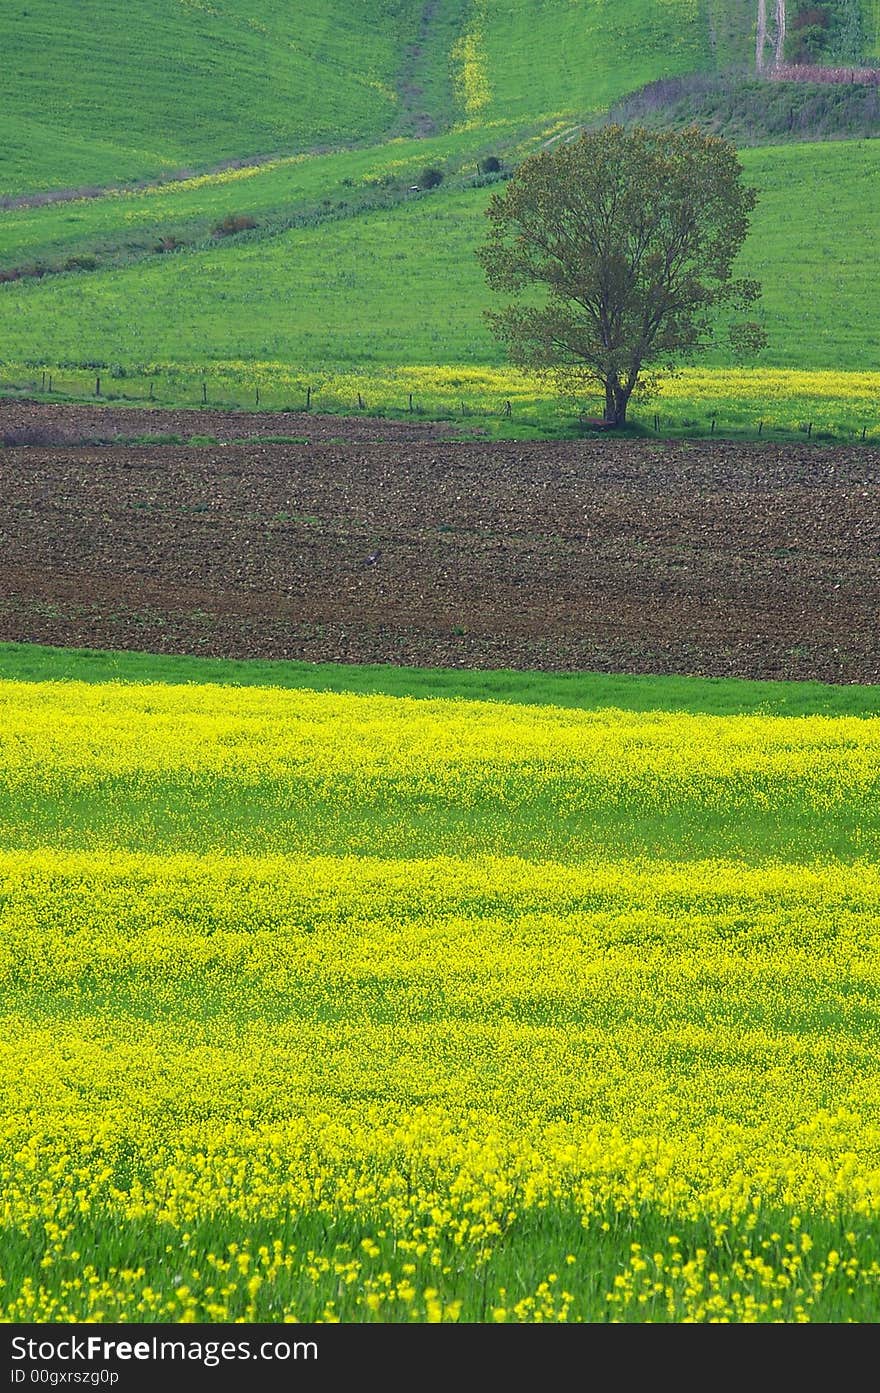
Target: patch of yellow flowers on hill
339,744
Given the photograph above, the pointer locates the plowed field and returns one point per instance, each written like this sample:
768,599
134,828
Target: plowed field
383,542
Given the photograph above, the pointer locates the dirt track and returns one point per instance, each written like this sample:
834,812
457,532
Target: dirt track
709,558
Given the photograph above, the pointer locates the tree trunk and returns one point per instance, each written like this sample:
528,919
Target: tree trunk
779,45
761,35
616,401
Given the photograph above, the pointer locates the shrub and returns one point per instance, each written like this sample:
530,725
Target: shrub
430,177
234,222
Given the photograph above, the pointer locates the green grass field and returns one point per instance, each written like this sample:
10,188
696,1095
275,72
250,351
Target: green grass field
202,83
207,82
500,998
400,288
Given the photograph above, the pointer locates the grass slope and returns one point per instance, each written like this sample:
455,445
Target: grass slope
191,83
204,82
348,271
402,286
561,60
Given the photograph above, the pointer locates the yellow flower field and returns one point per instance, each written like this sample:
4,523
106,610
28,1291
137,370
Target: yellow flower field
259,1077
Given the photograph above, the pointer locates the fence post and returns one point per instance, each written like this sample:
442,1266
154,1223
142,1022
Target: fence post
50,382
507,408
151,392
809,430
760,427
308,397
864,428
410,402
360,401
712,431
258,396
97,386
204,392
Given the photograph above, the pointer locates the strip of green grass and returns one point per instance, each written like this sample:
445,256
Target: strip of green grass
24,662
122,225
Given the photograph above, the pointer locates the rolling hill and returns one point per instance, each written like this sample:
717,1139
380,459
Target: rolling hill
308,127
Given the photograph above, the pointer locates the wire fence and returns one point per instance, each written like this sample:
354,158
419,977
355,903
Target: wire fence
165,392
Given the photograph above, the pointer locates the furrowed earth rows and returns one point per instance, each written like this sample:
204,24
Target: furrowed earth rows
710,558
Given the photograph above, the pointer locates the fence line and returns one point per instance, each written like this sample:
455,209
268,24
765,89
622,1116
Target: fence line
77,391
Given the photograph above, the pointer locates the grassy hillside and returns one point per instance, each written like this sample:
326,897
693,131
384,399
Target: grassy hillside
402,286
560,59
191,82
208,80
196,82
125,225
346,269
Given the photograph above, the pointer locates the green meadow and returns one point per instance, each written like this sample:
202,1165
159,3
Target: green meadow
199,84
369,294
206,82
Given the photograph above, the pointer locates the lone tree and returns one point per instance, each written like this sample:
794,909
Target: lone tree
623,243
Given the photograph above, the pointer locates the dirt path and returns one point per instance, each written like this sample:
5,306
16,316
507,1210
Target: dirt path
38,200
414,119
757,561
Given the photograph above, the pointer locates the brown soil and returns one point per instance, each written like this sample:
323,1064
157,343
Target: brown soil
24,422
711,558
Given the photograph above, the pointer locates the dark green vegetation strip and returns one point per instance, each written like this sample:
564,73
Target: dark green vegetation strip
24,662
755,112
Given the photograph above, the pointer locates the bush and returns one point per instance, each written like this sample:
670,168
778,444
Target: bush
490,165
430,177
234,222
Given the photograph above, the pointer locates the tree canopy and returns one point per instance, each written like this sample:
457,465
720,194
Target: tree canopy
618,248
